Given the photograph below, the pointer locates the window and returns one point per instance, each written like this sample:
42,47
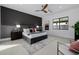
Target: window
60,23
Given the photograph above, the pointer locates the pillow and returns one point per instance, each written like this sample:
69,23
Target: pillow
27,31
33,29
74,46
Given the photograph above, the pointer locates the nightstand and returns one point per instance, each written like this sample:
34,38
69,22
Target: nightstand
16,35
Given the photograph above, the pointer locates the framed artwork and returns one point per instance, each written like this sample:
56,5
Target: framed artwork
47,25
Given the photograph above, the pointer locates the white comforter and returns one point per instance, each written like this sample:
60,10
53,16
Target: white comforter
34,35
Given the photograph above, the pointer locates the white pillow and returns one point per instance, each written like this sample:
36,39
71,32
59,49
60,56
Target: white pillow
27,31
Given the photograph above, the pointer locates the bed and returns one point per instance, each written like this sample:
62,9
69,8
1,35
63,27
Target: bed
34,36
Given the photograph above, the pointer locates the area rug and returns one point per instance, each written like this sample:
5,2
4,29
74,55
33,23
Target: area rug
35,47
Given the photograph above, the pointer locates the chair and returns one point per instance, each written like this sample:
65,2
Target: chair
63,49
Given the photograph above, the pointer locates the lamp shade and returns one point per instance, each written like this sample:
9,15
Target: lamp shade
37,26
18,26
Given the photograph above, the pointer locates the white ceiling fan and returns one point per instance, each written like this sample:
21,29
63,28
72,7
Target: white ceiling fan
44,9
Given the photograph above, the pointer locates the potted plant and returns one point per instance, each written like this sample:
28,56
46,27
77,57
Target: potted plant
76,27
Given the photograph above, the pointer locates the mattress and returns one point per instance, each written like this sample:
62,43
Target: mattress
33,35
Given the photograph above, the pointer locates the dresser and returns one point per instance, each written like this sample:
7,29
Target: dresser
16,35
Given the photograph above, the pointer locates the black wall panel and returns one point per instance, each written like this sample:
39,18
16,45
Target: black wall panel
13,17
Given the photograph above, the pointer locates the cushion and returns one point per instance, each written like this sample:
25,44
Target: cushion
27,31
33,29
74,46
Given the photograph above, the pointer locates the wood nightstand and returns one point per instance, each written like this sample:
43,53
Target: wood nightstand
16,35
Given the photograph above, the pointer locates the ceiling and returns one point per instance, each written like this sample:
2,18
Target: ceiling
30,8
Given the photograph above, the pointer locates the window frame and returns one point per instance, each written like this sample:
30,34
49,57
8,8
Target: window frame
59,21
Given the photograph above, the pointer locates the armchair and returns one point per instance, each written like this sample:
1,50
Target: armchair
63,49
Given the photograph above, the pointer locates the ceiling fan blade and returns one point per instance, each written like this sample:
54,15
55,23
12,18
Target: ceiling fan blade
45,6
44,11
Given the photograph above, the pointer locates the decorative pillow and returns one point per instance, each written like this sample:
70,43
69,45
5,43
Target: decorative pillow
33,29
27,31
74,46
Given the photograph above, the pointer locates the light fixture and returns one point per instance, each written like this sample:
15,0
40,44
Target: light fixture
37,26
18,26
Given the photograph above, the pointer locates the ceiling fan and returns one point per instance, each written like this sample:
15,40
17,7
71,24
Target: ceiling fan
44,9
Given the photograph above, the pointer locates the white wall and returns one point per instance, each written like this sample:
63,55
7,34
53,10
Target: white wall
73,17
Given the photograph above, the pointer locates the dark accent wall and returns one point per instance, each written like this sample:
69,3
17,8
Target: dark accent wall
10,17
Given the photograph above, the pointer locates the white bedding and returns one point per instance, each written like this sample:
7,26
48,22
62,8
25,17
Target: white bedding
34,35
